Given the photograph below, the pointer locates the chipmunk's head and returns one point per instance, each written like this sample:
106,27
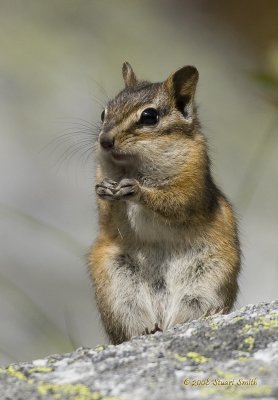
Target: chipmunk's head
151,125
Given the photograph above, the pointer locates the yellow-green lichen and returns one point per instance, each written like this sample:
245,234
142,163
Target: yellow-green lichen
274,313
198,358
250,342
70,389
263,322
99,348
75,391
213,325
243,356
11,371
180,358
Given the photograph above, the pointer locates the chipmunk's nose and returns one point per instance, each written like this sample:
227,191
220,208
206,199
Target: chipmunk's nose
106,141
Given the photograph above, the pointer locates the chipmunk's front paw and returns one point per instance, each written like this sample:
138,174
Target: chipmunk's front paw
126,189
105,189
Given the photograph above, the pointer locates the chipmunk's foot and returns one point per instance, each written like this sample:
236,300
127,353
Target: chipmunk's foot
156,329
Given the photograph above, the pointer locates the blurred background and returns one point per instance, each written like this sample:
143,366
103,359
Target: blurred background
60,61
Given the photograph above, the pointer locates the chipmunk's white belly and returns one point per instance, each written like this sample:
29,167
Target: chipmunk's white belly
169,258
147,224
165,284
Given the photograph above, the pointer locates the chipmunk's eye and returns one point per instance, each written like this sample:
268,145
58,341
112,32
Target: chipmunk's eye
149,117
102,115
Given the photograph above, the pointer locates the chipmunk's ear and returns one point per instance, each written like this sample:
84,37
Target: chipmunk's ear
128,75
181,86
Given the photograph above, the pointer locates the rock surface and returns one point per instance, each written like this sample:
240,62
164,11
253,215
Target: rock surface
231,356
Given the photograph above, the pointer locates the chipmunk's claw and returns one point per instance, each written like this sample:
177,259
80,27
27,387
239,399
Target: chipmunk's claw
146,332
156,329
126,189
105,189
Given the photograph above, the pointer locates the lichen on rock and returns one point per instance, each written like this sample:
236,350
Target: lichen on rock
229,356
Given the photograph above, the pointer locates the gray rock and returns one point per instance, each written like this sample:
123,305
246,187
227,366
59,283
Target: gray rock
230,356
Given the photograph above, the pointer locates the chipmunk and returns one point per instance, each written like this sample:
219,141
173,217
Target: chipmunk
168,250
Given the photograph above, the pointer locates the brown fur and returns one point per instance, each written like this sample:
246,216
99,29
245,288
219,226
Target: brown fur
160,207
